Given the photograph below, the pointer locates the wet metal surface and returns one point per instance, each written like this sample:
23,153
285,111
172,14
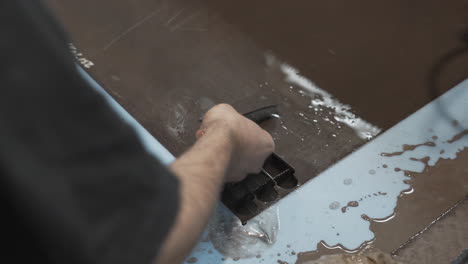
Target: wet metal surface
256,192
424,121
419,122
436,189
374,55
442,242
167,62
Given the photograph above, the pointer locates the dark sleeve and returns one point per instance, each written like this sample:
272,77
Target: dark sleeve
76,184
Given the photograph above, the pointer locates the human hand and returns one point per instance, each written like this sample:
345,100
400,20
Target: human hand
229,146
251,144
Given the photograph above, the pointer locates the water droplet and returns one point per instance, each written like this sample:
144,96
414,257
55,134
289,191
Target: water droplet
335,205
192,260
409,191
348,181
372,172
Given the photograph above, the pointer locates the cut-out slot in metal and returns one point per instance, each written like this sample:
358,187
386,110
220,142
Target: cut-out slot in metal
259,191
267,193
246,206
287,180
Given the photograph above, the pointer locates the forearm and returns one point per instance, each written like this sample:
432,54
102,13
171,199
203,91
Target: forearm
229,147
201,172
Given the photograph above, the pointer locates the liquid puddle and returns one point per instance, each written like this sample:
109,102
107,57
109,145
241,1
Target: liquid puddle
458,136
408,148
426,160
324,249
425,187
321,100
350,204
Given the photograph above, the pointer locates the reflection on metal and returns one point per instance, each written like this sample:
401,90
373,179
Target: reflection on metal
232,239
321,98
257,192
306,216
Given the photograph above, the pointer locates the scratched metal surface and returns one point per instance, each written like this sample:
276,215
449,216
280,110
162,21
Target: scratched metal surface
302,220
166,62
166,71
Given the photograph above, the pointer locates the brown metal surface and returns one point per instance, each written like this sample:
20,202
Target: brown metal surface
442,243
257,192
167,62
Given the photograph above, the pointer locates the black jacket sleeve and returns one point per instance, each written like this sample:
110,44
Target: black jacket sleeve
76,184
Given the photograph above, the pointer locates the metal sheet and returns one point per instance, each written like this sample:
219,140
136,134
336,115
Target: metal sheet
166,62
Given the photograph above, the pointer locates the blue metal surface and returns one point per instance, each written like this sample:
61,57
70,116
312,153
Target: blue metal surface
314,213
152,145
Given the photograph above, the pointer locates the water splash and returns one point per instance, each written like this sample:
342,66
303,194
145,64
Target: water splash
232,239
322,98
